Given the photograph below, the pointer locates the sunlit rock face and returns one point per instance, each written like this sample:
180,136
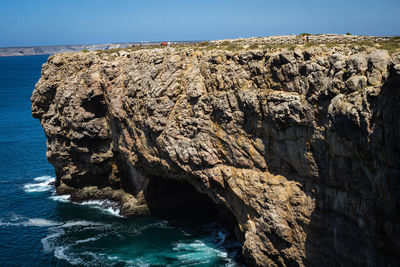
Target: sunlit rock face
300,147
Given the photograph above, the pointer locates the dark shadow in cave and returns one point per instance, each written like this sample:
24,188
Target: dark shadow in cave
180,202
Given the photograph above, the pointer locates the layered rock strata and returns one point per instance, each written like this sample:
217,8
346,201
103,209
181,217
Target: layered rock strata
301,147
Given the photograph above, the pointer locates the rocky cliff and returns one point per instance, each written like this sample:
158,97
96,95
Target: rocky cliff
300,149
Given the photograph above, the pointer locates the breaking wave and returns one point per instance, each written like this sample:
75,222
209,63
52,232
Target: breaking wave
40,222
43,183
104,205
60,198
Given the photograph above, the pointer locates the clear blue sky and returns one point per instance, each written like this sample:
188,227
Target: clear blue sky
51,22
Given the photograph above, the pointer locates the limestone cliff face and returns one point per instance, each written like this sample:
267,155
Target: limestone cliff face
302,147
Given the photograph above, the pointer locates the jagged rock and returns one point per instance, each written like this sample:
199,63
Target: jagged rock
378,65
356,83
306,163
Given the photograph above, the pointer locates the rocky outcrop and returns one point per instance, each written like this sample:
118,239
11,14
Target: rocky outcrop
300,147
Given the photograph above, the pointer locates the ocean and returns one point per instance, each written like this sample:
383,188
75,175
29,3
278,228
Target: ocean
39,228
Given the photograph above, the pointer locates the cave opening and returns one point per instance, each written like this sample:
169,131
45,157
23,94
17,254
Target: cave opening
170,198
181,202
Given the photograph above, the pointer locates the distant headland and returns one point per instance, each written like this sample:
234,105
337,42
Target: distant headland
57,49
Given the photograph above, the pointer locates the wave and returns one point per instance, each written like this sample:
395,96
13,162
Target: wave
201,251
2,223
60,253
60,198
80,223
38,222
85,258
43,185
90,239
65,249
112,211
47,245
44,178
104,205
35,222
62,244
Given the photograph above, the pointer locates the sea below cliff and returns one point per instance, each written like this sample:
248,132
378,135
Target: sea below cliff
40,228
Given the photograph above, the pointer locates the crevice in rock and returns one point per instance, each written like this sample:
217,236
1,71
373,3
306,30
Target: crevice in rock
132,181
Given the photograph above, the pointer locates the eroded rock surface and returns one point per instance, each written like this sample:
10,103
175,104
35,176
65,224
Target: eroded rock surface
302,147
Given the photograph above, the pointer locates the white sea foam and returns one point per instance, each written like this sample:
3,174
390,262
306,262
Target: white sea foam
104,205
46,241
54,242
16,217
38,222
3,223
113,211
44,178
60,253
88,240
60,198
112,258
200,251
42,186
138,262
35,222
95,202
80,223
65,251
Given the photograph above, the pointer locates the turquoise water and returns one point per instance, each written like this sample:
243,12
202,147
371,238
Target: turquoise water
39,228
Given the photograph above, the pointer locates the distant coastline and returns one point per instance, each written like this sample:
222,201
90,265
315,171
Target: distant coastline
56,49
45,50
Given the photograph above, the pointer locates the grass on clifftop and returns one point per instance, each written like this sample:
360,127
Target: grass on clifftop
391,46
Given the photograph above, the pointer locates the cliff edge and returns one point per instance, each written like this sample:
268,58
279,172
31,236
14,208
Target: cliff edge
300,148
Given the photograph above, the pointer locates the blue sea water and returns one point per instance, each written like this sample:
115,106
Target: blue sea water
39,228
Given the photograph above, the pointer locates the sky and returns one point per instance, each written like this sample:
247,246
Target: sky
58,22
